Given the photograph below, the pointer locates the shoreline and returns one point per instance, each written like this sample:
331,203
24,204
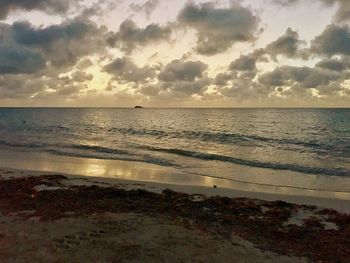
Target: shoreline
146,175
342,206
239,178
75,214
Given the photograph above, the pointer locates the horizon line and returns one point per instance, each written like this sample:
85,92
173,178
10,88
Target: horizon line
133,107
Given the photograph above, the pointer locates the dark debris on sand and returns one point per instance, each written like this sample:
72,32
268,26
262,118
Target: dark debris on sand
261,222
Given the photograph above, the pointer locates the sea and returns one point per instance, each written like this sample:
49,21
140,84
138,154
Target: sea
244,145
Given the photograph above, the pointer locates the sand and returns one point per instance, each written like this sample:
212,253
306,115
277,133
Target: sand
121,238
138,234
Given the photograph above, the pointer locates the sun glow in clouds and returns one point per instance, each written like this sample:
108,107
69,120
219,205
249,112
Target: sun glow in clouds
161,53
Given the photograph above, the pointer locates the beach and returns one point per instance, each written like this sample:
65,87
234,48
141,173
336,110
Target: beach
206,185
50,217
193,131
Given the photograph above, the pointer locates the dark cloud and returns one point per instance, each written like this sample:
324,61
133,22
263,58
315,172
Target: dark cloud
176,89
244,63
50,6
238,81
286,2
287,81
125,70
222,79
243,88
219,28
243,69
22,86
179,79
19,86
33,58
17,60
130,36
334,40
287,45
332,64
179,70
61,44
187,88
26,34
148,7
305,77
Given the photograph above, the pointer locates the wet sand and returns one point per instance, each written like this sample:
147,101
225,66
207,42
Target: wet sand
58,218
325,191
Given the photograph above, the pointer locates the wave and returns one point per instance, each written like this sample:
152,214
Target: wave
100,149
101,152
120,157
90,151
336,146
230,138
252,163
22,145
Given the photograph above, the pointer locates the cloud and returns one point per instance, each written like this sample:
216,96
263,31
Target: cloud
38,87
17,60
243,88
222,79
33,58
80,76
148,7
244,63
305,77
239,82
287,45
52,63
60,44
342,15
130,36
241,71
49,6
219,28
286,2
334,40
175,90
179,70
18,86
178,79
332,64
285,82
68,91
187,88
124,70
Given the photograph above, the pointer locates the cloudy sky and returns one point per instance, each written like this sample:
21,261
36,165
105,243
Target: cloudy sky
161,53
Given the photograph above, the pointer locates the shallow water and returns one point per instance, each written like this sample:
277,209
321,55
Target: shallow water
278,147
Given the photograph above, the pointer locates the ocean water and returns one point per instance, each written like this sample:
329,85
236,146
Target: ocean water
235,144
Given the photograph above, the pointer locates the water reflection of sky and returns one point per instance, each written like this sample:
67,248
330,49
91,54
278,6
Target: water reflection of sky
255,137
152,173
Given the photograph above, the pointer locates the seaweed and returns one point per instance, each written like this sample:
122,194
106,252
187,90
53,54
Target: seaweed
261,222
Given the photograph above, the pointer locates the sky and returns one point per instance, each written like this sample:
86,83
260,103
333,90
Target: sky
161,53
